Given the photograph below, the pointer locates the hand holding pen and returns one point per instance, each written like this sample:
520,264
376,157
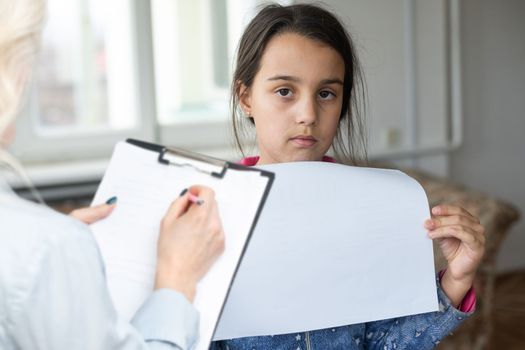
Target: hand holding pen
191,239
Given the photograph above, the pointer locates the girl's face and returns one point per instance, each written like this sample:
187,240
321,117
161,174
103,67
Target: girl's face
295,99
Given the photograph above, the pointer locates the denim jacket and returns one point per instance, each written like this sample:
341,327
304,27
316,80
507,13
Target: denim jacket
419,332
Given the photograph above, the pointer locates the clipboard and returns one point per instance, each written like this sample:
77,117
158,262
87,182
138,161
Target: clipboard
146,178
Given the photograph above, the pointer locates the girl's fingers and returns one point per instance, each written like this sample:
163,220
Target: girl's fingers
460,220
448,210
466,235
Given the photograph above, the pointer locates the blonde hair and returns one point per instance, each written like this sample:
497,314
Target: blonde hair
21,24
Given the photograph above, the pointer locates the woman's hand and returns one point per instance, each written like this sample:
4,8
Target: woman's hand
91,215
191,239
461,238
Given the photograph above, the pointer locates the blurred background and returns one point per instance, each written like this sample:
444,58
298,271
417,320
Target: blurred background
446,90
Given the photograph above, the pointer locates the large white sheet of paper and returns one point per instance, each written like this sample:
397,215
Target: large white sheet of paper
335,245
128,237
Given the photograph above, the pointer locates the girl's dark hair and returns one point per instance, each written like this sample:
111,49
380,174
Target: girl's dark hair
317,24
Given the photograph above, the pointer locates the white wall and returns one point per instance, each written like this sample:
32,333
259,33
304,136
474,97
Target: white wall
492,35
403,51
492,157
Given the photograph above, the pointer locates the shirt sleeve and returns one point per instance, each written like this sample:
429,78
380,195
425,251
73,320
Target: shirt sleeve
422,331
167,317
61,301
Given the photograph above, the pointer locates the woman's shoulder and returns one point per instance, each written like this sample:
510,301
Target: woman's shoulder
40,251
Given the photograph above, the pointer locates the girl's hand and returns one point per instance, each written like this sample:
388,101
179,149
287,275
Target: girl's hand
461,238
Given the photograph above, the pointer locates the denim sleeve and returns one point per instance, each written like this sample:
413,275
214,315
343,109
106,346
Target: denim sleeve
423,331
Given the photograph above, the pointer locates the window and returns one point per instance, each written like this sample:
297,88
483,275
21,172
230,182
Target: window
85,80
85,94
194,43
155,70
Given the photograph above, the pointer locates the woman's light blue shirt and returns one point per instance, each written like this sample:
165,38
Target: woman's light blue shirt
53,292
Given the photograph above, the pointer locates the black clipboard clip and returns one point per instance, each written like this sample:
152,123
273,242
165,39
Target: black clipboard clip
182,158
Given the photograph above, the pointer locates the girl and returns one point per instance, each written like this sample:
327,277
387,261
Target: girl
296,79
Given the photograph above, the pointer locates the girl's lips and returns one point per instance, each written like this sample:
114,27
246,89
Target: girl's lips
304,141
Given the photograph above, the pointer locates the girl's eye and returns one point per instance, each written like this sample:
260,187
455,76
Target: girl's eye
326,95
284,92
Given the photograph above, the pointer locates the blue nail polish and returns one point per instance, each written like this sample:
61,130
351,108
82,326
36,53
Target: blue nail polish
183,192
112,200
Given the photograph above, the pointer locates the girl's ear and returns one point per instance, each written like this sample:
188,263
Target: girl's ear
244,99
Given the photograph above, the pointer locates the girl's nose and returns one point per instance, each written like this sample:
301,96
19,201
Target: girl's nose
307,114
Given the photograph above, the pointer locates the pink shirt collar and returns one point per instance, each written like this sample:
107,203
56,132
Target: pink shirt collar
251,161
